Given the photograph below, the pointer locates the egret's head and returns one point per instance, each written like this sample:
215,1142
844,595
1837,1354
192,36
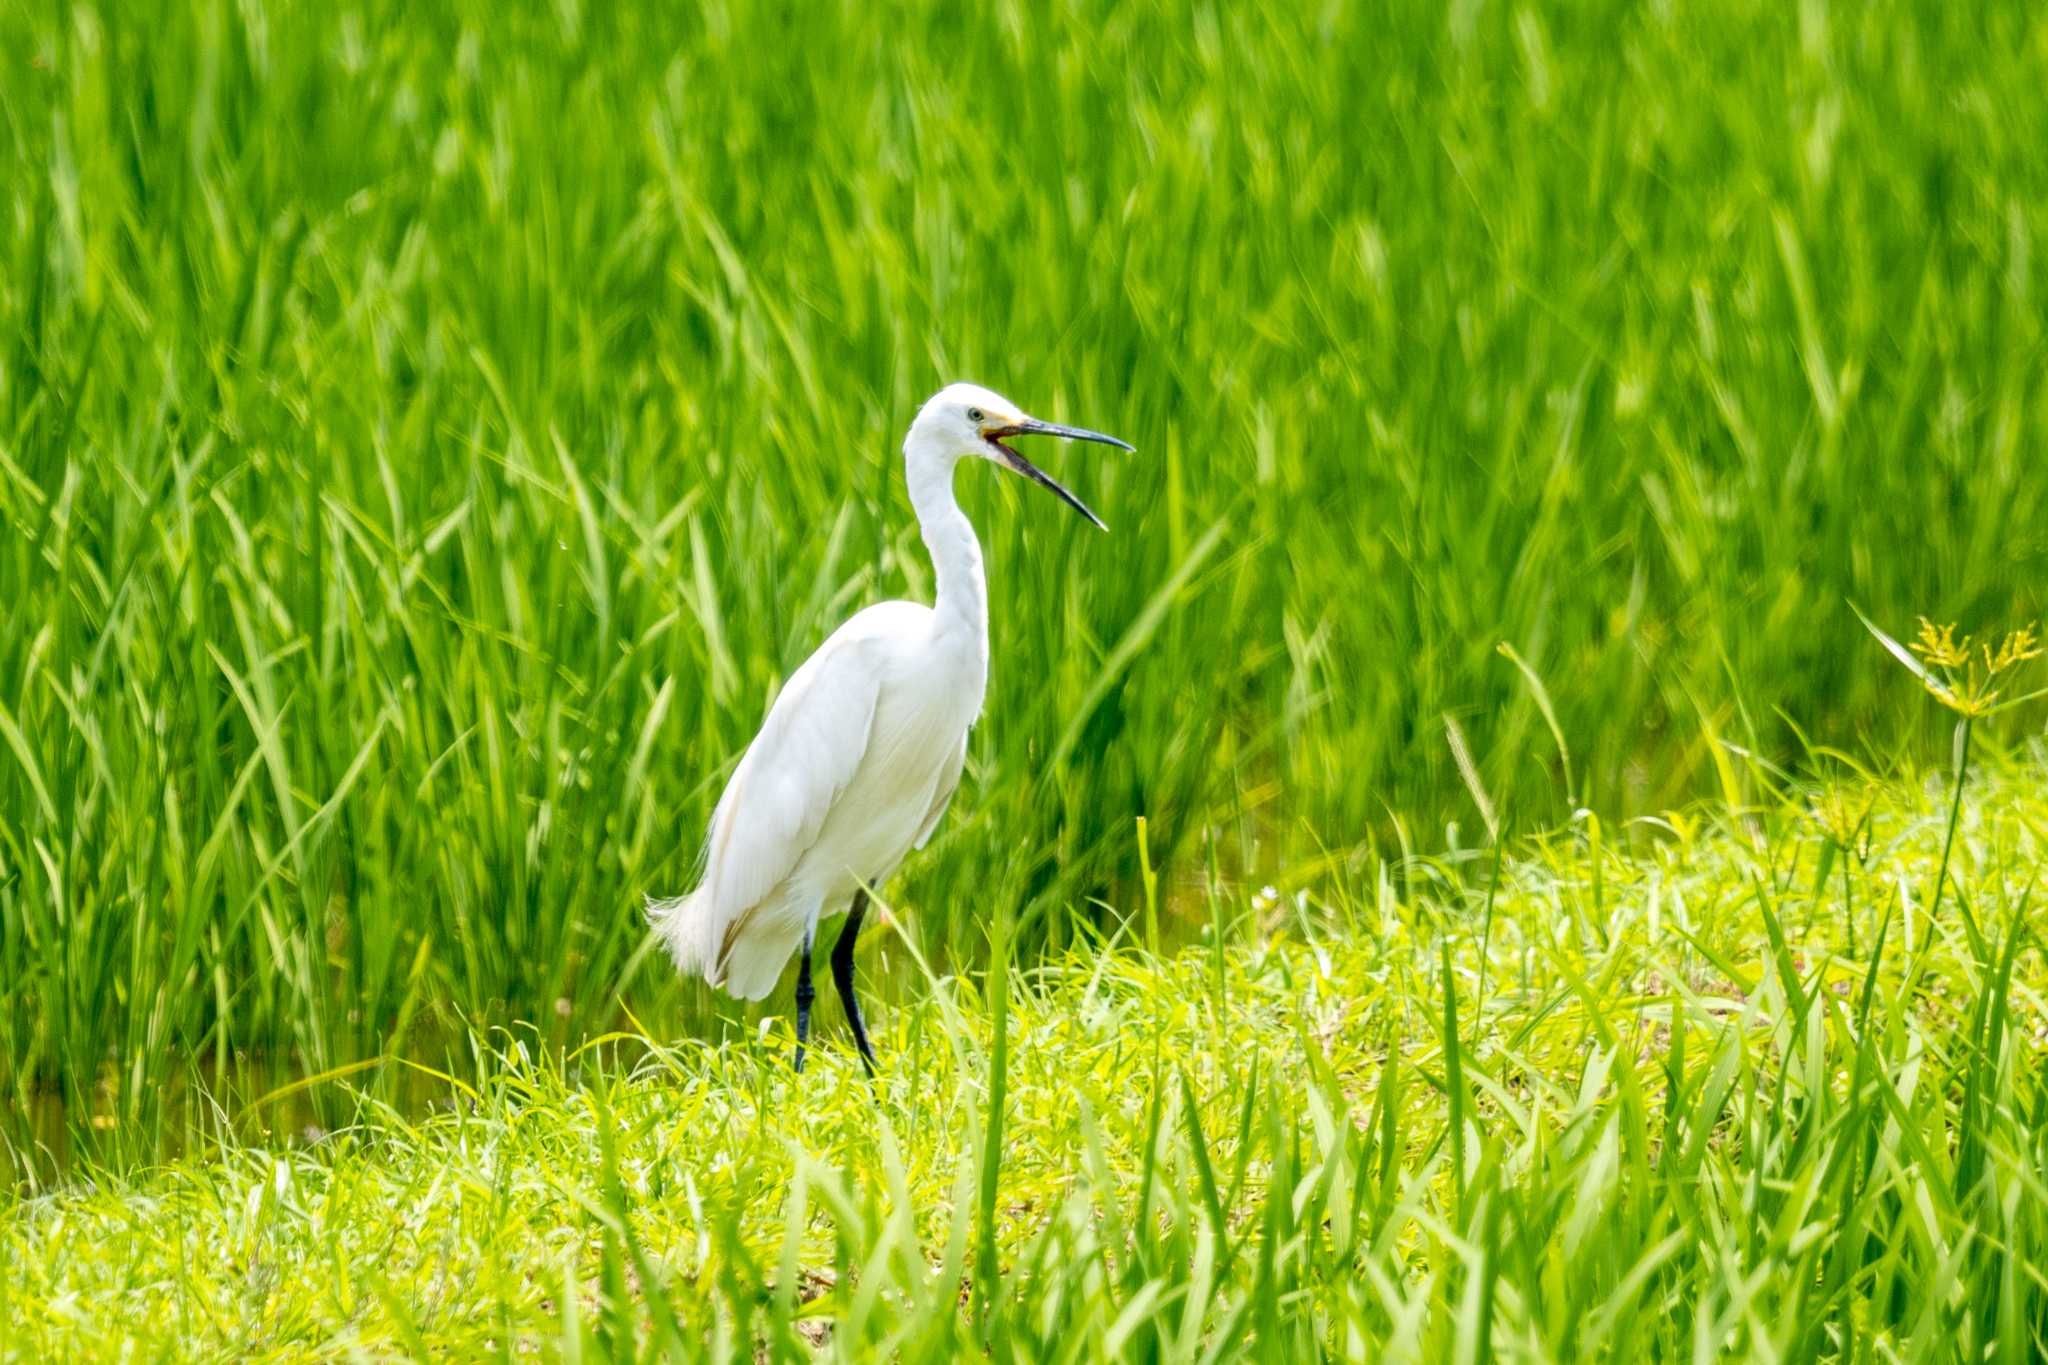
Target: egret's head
966,419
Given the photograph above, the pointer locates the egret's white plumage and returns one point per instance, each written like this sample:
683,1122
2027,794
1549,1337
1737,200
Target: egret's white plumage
852,769
863,748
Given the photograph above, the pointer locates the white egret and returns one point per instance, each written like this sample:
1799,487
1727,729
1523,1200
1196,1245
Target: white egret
862,749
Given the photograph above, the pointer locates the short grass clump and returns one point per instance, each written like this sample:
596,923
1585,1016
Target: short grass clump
1726,1089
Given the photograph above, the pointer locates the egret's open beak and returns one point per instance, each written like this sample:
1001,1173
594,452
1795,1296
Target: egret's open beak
1031,426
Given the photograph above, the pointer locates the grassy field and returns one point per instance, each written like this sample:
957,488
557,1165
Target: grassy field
429,435
1745,1094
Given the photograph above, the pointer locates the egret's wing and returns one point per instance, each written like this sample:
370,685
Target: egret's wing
942,797
817,736
808,750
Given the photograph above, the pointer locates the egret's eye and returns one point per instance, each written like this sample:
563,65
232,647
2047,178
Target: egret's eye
974,415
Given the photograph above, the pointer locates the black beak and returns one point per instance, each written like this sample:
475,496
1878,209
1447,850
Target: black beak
1031,426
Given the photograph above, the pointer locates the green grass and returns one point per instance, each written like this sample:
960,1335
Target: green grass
1611,1105
429,435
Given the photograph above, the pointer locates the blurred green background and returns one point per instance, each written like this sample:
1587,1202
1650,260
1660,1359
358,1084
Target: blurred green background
428,434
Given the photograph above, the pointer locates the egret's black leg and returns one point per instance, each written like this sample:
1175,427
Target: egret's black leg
804,996
842,976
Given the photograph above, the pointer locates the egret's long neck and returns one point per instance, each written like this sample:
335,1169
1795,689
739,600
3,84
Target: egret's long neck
949,538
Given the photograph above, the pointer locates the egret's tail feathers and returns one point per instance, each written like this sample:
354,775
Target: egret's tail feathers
745,959
692,941
754,961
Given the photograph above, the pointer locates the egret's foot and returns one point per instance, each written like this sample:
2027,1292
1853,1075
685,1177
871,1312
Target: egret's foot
860,1033
804,996
860,1040
842,977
